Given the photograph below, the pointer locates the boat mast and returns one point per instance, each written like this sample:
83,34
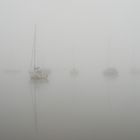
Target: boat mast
34,48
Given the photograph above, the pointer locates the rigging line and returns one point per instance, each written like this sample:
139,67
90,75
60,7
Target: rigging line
33,57
34,46
31,64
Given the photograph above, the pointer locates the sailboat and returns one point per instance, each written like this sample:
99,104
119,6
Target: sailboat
110,71
74,72
36,72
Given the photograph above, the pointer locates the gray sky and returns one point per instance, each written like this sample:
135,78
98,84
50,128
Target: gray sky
93,35
86,25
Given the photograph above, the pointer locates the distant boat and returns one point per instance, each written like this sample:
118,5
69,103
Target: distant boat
111,72
36,72
74,72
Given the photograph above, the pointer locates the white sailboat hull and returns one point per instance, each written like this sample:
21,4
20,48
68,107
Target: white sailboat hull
38,75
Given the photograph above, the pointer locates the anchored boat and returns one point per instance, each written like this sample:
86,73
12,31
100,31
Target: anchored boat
36,72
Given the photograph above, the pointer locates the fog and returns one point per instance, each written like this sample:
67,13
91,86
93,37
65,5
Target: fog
91,48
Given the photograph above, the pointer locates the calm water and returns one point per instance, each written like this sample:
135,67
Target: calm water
91,34
86,107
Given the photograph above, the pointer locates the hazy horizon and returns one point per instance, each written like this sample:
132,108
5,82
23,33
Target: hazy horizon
88,35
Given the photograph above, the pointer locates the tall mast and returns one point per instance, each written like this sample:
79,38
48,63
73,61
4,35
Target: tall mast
34,47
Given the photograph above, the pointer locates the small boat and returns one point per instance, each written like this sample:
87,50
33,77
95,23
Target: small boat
36,72
111,72
74,72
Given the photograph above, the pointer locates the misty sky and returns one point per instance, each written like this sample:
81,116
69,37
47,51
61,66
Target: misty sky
91,34
84,26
